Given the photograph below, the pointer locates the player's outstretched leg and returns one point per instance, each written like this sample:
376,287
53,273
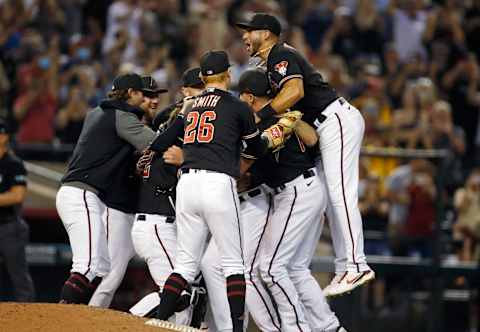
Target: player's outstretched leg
118,225
341,137
81,211
317,311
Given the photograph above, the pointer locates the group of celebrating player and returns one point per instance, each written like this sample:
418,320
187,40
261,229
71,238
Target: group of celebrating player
234,190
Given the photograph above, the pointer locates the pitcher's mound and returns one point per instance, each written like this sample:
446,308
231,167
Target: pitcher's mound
39,317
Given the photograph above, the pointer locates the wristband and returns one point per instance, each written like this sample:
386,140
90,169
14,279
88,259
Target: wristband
266,112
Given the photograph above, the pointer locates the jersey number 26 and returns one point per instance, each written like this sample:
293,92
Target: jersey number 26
199,127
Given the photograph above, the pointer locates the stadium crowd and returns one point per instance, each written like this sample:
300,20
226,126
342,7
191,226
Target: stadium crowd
410,66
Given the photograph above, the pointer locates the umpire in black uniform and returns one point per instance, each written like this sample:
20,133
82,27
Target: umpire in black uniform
13,230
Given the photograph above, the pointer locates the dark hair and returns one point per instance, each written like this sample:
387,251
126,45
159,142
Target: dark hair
118,94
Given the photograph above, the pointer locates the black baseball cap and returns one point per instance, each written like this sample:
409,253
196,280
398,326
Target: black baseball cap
150,86
191,78
262,21
214,62
128,81
255,81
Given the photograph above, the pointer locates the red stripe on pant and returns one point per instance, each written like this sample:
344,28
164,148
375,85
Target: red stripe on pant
89,232
343,193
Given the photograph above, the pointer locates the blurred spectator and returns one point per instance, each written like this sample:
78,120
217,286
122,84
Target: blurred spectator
472,27
409,22
35,107
461,86
445,135
340,37
421,213
374,208
411,123
118,19
397,188
318,17
70,119
48,18
239,60
467,227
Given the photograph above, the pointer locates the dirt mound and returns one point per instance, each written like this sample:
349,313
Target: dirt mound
20,317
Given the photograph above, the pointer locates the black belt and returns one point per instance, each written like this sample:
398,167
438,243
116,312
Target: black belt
143,217
250,194
194,170
306,175
322,117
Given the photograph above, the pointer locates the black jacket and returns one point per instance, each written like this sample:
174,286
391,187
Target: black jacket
110,134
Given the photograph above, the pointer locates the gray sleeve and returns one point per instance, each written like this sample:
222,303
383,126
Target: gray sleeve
131,129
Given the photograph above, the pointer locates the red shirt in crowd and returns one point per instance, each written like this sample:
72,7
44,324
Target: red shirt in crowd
38,124
421,214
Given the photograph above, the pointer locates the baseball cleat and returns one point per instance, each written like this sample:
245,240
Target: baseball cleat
346,282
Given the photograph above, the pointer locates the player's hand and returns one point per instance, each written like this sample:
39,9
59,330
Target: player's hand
187,104
173,156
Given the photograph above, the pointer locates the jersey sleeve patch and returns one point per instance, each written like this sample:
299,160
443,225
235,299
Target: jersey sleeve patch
281,67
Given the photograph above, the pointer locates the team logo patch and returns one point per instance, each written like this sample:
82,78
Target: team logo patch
281,67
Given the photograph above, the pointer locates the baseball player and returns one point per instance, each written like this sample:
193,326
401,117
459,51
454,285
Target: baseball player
154,232
121,205
293,228
340,128
215,127
258,213
110,134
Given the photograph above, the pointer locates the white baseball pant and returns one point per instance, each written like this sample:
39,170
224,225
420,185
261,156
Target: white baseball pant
254,216
255,212
118,226
81,213
207,202
340,139
287,233
155,241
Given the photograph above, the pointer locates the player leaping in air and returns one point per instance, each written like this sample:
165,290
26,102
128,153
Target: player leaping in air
340,127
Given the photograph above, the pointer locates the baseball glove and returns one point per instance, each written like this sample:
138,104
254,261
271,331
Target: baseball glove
289,120
278,133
